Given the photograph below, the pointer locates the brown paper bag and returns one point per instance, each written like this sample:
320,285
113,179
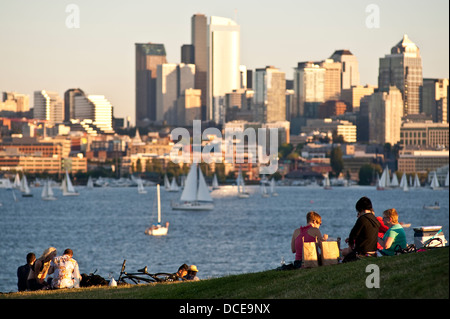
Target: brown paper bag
330,253
309,255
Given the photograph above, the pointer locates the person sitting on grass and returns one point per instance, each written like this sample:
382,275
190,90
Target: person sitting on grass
182,272
394,236
308,233
192,273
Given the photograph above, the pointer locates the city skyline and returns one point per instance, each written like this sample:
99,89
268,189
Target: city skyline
40,52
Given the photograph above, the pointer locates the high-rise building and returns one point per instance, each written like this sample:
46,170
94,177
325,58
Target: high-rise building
69,103
403,69
14,102
309,80
350,69
223,75
148,57
270,94
385,110
332,80
189,107
353,95
48,106
172,81
96,108
199,38
434,99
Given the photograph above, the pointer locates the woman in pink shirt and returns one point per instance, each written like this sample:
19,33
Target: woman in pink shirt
308,233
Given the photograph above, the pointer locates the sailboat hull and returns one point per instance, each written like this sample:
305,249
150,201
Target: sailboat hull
192,206
157,230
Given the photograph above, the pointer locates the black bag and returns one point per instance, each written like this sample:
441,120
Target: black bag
352,256
92,280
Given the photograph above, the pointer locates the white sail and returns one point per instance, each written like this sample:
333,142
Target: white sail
416,182
68,189
16,183
404,183
203,192
326,182
446,180
272,187
90,183
215,182
166,182
174,186
434,182
24,187
190,185
141,189
394,181
47,192
241,186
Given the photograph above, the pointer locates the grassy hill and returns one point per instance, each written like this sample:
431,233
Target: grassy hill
422,275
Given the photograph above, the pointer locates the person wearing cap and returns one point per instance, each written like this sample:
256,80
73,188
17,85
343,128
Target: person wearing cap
192,273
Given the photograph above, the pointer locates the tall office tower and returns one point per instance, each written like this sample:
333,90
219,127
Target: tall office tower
309,81
172,81
187,54
434,99
354,95
69,103
199,38
332,81
270,94
189,107
385,110
403,69
48,106
148,56
223,65
15,102
350,70
96,108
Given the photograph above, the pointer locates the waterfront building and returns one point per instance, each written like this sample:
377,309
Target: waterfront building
422,161
434,99
424,135
349,68
224,74
48,106
148,57
344,128
403,68
270,94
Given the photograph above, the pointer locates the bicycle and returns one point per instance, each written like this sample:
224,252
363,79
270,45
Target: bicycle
144,276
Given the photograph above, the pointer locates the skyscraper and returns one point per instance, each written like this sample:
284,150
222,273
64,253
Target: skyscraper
270,94
350,70
199,38
48,106
223,65
96,108
148,57
69,103
403,69
309,80
434,99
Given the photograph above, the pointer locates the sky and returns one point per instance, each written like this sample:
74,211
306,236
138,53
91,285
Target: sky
40,49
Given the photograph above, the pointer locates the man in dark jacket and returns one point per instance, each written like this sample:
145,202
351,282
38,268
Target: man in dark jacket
23,271
363,237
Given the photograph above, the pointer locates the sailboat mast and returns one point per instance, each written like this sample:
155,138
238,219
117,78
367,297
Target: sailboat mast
159,204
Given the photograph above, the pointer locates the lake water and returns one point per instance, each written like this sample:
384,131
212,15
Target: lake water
104,226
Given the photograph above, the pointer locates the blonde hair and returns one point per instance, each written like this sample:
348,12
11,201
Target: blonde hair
47,253
313,217
392,214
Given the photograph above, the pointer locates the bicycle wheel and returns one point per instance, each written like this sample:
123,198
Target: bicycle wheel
163,277
134,280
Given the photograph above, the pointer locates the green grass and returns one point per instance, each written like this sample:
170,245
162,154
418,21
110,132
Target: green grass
422,275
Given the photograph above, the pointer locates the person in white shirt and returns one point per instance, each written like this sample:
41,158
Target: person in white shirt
65,270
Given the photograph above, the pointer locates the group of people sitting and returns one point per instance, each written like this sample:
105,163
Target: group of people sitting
370,236
49,271
186,272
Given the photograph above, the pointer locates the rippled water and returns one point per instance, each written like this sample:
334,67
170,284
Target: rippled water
103,226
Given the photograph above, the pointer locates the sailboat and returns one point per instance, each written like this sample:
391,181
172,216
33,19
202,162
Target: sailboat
416,182
394,181
434,182
24,187
241,186
90,183
173,187
264,192
166,182
272,187
446,180
16,183
215,182
404,183
157,229
47,192
67,187
195,195
140,186
326,182
384,181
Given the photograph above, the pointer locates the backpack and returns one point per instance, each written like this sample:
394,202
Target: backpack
92,280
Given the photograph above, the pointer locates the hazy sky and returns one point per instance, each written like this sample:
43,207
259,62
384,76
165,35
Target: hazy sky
38,51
